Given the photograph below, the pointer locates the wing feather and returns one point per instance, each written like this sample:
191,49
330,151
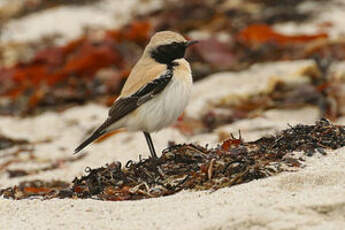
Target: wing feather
126,105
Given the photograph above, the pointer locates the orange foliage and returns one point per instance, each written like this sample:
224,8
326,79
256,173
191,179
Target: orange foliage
36,190
229,143
138,32
54,65
257,34
35,98
81,58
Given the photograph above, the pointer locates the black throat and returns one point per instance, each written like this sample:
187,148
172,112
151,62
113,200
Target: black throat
166,54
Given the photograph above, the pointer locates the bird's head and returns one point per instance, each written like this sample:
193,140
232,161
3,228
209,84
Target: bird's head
167,46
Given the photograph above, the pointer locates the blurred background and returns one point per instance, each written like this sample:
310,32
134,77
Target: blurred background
57,54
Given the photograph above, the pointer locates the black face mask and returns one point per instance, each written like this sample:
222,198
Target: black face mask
166,54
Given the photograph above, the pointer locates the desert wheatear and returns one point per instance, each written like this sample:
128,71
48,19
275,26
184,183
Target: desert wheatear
156,91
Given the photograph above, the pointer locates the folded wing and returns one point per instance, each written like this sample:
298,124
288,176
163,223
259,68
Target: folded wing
125,105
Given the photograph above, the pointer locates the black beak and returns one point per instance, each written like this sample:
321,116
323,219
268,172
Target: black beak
192,42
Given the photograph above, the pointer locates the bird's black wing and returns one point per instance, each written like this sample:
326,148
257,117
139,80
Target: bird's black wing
125,105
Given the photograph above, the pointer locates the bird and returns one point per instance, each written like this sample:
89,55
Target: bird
155,93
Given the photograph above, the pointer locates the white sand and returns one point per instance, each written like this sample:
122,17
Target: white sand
311,198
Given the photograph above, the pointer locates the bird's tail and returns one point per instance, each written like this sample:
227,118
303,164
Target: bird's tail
99,132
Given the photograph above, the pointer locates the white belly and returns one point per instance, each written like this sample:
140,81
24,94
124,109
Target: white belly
162,110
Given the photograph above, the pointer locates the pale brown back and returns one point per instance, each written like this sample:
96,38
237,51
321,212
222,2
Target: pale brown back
142,73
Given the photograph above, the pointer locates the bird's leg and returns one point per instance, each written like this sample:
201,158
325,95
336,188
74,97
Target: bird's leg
150,144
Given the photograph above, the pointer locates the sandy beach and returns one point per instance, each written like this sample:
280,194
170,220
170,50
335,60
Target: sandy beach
312,198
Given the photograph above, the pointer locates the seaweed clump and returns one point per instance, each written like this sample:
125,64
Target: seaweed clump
194,167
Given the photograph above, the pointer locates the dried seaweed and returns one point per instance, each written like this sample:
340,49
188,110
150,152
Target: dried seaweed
36,188
198,168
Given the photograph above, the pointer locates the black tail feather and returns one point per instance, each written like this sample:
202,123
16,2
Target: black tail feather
90,139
